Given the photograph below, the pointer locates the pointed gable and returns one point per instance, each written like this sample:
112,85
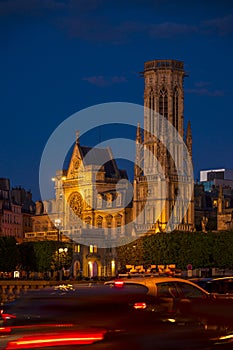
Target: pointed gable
73,161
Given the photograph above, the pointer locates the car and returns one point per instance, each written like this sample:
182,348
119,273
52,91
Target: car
106,316
179,296
220,285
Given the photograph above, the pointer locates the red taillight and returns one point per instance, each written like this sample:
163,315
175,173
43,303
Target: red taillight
7,316
118,283
4,330
56,339
139,305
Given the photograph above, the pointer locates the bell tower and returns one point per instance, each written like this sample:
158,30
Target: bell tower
161,190
163,98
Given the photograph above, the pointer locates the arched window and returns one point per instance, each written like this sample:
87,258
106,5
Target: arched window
109,200
149,215
99,221
99,201
109,221
175,108
87,221
152,101
109,224
118,199
118,219
163,103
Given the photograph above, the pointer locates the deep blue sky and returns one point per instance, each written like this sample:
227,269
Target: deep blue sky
58,57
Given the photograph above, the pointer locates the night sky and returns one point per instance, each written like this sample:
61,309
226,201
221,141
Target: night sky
59,57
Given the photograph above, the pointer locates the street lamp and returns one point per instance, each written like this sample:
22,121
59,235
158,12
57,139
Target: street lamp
63,250
57,223
61,253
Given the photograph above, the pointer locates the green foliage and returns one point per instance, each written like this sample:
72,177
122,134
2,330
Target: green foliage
222,249
43,256
9,257
27,257
212,249
44,252
131,254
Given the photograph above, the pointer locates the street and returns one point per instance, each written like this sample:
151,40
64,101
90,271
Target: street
106,314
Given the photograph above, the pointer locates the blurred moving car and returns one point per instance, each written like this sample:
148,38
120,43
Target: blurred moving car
177,295
220,285
134,315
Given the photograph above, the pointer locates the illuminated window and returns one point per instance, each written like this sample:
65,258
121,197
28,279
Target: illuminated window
93,248
99,221
109,220
109,200
118,199
118,223
99,201
88,221
77,248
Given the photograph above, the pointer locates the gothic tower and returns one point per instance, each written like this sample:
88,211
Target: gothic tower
165,189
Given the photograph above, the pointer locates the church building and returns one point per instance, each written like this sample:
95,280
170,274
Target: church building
94,205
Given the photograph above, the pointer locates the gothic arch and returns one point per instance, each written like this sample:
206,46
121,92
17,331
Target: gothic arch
175,107
99,221
163,102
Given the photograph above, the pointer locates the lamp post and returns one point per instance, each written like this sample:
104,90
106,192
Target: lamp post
61,253
57,223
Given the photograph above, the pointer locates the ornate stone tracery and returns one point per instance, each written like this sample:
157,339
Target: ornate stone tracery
76,203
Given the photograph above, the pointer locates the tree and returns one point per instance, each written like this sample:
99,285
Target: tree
131,253
212,249
27,257
9,255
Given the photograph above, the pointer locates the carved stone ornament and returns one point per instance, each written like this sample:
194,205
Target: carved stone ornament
76,164
76,203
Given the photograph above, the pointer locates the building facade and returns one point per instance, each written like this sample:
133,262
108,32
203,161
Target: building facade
214,200
16,210
94,205
91,208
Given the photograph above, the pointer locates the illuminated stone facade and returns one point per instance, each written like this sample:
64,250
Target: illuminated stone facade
157,182
94,205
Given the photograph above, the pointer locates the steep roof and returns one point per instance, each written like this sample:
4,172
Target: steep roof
98,156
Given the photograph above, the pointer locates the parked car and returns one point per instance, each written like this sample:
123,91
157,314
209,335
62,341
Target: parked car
220,285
